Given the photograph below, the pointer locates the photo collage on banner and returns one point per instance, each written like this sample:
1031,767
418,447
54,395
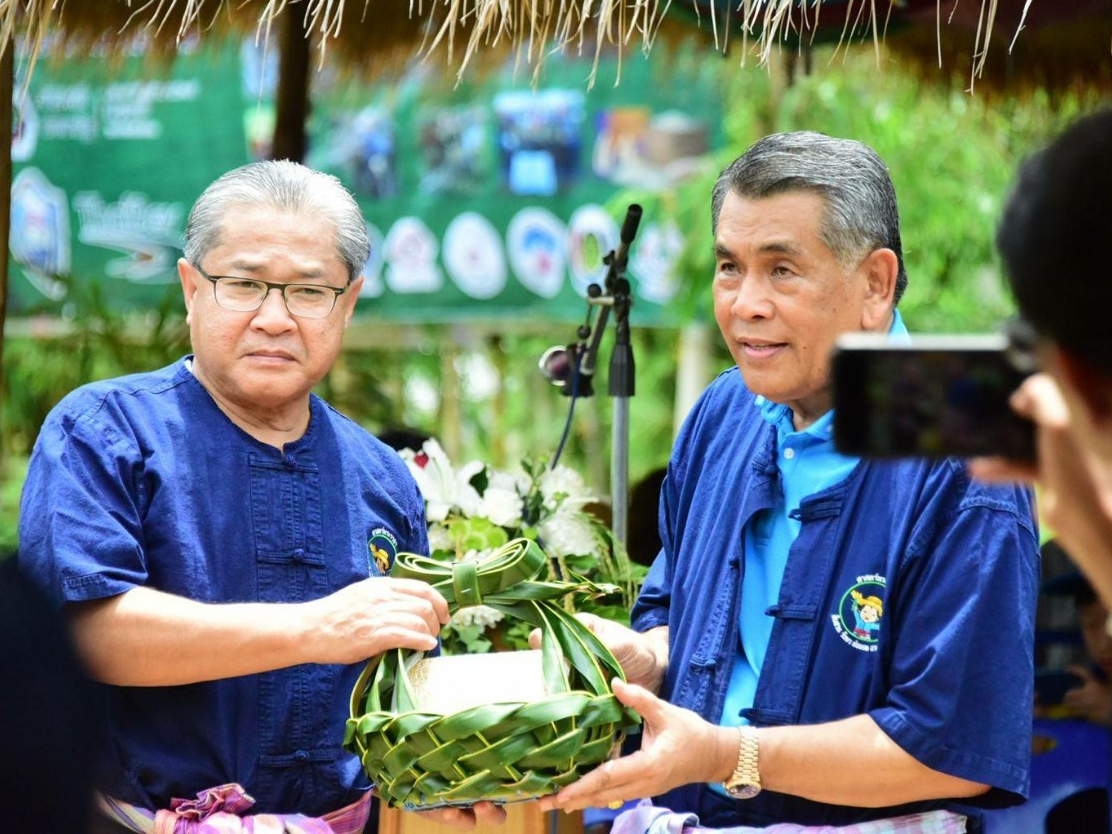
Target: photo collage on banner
487,201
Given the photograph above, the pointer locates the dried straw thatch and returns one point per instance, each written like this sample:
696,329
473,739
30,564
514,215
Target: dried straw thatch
368,34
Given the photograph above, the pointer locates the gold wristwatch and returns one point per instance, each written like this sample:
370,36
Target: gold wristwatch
745,781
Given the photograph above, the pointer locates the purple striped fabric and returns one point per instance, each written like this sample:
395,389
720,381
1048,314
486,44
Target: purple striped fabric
647,818
221,810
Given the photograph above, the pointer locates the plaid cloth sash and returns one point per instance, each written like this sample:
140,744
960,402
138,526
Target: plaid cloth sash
221,810
647,818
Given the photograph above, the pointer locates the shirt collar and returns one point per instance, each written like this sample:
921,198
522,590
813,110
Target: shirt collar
780,415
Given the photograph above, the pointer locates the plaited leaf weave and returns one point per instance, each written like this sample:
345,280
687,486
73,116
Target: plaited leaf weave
501,752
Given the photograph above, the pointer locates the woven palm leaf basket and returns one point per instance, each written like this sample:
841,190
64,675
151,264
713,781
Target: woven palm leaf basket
498,751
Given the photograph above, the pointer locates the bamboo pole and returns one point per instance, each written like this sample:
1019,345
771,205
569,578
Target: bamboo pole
693,370
450,406
498,405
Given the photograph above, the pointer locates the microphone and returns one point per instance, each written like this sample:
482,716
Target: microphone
571,368
556,364
559,366
629,232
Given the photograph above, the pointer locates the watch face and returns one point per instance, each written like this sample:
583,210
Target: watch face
743,791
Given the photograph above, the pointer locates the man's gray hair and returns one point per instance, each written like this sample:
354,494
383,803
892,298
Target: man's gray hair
286,186
861,214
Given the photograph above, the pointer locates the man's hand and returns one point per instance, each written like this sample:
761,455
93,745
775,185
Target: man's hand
150,638
1070,497
466,818
1092,699
642,656
372,616
677,748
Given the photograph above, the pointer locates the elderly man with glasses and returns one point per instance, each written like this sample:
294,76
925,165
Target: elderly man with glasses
207,529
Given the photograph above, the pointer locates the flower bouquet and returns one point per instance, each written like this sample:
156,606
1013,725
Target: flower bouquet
473,510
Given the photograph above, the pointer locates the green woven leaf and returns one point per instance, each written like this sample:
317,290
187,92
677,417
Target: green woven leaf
501,752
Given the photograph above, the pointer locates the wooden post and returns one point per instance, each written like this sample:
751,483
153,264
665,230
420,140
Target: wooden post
521,818
7,84
498,406
596,442
292,101
693,371
549,410
450,408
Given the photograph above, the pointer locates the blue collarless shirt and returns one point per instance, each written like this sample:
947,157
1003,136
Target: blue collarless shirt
143,482
951,563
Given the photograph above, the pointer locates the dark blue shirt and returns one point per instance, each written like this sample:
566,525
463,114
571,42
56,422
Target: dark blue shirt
143,481
948,672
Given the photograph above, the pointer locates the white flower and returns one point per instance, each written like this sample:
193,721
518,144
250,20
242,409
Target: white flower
443,487
568,533
509,481
563,481
482,615
527,501
501,502
439,538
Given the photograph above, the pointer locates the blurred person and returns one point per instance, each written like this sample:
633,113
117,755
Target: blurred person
644,536
1053,237
822,640
208,530
403,437
1092,700
1090,696
51,716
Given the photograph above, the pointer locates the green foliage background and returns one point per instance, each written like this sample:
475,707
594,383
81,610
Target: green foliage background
952,157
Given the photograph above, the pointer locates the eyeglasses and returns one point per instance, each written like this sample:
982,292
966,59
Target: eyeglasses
245,295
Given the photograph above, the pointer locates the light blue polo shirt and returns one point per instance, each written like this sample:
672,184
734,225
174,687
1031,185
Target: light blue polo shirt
808,464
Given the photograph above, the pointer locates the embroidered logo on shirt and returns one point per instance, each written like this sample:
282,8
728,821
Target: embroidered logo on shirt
860,612
381,550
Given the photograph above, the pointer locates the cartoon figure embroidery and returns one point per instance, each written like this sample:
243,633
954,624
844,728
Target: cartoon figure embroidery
867,611
382,547
382,558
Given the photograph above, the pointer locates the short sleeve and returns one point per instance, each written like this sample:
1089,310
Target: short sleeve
80,512
961,685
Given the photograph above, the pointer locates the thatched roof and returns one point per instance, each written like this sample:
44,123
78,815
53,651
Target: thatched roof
364,35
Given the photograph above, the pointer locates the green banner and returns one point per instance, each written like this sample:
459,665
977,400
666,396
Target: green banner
491,200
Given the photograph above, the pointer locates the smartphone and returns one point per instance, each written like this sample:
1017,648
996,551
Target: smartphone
933,397
1051,685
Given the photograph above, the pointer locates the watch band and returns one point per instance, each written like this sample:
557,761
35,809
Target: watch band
745,781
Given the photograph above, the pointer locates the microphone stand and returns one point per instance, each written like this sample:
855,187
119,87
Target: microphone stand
618,297
573,368
621,388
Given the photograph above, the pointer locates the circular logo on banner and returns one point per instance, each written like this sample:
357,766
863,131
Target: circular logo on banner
40,239
473,255
652,261
535,241
592,233
861,613
410,251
